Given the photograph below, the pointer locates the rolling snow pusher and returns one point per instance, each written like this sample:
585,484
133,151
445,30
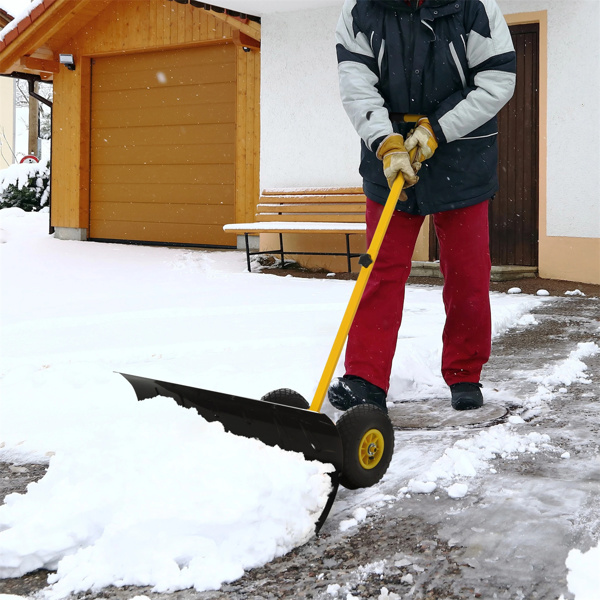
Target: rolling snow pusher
359,445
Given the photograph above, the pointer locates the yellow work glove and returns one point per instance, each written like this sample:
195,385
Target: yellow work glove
423,139
396,160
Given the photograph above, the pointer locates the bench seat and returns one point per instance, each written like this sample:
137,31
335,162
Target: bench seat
316,210
287,227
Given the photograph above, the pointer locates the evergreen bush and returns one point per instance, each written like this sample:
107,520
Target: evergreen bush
25,186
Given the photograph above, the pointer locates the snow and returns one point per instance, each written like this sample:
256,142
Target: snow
570,370
12,7
18,9
387,595
148,493
299,226
584,576
18,174
333,589
359,516
565,373
458,490
470,456
135,519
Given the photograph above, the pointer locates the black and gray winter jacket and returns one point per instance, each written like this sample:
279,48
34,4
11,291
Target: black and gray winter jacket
451,60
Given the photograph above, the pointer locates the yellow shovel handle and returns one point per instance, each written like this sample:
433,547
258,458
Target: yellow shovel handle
359,288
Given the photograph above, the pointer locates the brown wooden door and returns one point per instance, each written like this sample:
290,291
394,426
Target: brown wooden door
163,146
514,211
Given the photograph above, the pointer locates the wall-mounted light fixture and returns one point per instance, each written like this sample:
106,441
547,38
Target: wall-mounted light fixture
67,60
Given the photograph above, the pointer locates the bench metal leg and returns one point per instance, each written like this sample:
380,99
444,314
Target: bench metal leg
281,250
247,252
348,253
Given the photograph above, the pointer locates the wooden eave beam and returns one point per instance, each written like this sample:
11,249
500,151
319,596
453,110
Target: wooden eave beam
49,23
40,65
244,40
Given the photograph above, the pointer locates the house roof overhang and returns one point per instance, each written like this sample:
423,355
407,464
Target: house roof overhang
25,47
5,18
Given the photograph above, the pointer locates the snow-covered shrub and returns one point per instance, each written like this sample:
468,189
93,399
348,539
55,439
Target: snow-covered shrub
25,186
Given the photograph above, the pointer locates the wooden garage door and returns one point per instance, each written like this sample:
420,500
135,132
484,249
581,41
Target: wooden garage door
163,146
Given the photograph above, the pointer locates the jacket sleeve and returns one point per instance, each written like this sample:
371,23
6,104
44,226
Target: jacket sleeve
358,76
491,75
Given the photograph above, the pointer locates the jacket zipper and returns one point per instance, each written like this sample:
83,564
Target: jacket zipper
411,53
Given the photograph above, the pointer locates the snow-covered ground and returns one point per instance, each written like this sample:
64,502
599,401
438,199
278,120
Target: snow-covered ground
147,493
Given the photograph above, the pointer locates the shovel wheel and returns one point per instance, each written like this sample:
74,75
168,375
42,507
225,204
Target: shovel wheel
368,440
286,397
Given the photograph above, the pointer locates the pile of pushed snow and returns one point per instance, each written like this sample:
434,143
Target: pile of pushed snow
469,456
145,493
565,373
571,370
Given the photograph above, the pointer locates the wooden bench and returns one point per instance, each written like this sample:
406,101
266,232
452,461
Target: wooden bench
313,210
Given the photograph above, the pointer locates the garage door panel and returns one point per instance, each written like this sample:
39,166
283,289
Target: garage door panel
163,76
166,96
142,212
163,146
151,61
148,175
166,155
175,115
208,133
177,193
212,235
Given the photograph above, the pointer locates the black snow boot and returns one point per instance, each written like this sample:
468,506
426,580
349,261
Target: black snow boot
350,390
466,396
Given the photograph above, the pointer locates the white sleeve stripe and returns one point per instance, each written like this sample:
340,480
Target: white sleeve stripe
461,72
494,89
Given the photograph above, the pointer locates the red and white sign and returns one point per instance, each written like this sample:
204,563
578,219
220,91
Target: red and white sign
30,158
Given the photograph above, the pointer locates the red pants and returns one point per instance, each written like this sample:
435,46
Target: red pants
463,236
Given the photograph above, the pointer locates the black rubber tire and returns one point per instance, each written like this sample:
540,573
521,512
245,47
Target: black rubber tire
361,428
286,397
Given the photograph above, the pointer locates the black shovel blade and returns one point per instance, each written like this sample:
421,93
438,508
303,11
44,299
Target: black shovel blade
295,429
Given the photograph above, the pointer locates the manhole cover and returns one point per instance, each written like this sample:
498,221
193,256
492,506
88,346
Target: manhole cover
434,414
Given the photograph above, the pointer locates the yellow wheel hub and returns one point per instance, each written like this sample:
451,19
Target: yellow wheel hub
370,449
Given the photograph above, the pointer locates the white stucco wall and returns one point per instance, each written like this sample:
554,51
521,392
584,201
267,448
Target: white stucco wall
7,122
307,139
